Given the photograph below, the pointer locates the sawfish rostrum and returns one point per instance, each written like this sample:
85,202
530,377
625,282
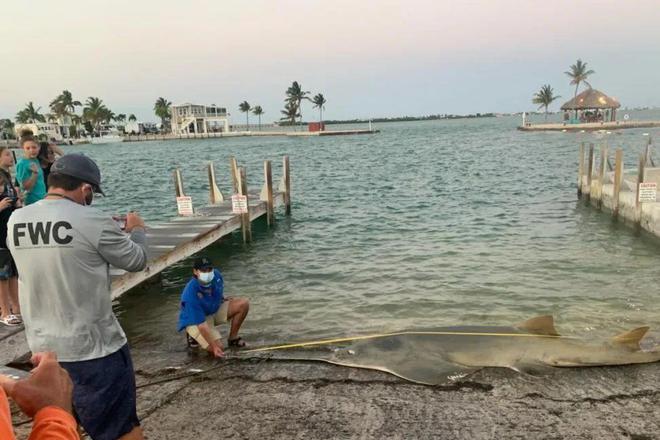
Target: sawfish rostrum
449,353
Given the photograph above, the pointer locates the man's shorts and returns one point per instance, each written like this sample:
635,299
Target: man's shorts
104,394
211,321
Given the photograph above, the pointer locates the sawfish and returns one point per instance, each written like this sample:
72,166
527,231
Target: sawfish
447,354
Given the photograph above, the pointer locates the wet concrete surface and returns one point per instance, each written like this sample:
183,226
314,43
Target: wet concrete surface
279,399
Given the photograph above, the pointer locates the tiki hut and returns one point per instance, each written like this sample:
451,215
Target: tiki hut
592,106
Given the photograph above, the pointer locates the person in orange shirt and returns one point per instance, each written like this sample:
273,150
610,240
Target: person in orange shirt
45,396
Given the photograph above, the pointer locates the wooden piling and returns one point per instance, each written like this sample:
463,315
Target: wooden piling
640,180
601,174
648,153
618,177
287,185
246,224
580,170
590,170
178,183
268,179
234,175
215,196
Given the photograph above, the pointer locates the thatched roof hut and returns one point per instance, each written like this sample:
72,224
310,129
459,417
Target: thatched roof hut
591,99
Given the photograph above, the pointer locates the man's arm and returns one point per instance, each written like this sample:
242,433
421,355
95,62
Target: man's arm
214,347
123,251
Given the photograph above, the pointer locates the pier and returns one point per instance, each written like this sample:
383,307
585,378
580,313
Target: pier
630,195
589,126
232,134
189,233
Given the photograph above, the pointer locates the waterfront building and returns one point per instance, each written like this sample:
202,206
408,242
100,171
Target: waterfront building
47,130
194,118
591,106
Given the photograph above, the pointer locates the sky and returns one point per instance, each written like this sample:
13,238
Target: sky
369,58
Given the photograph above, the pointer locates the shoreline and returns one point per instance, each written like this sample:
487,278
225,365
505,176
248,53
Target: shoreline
589,126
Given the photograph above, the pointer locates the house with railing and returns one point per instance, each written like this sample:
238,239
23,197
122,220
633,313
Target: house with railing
193,118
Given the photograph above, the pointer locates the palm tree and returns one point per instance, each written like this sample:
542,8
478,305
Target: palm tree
30,114
578,74
258,111
319,102
162,110
290,112
64,104
545,97
245,108
132,118
6,128
95,112
295,94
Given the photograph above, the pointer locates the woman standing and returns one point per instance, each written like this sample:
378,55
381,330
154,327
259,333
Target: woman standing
10,310
48,152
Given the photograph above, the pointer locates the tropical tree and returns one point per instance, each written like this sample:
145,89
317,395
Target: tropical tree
290,112
162,110
30,114
544,98
64,104
132,118
258,111
95,112
295,94
7,128
578,74
245,108
319,102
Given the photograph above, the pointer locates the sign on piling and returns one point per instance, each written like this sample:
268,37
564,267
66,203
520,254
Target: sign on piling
184,205
239,204
648,192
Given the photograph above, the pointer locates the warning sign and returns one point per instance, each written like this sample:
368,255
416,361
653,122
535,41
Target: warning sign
239,204
648,191
184,205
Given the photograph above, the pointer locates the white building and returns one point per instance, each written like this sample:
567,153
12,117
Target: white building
192,118
47,129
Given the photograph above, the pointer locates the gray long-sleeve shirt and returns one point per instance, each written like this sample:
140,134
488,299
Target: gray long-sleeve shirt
62,251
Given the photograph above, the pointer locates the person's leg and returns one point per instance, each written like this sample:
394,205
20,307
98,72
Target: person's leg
236,313
5,305
13,295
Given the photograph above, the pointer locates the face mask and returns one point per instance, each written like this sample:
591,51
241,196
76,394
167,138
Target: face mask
206,277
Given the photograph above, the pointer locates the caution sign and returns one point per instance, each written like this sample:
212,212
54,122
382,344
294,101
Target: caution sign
239,204
184,205
648,191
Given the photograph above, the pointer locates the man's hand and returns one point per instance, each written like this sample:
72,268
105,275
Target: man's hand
48,385
216,350
133,220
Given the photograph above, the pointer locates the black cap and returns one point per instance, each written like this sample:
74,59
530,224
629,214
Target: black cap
81,167
202,263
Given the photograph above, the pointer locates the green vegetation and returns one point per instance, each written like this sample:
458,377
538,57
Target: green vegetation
30,114
545,97
258,111
410,118
295,95
162,110
319,102
578,74
245,108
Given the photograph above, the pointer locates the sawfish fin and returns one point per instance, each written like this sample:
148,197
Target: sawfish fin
631,338
540,325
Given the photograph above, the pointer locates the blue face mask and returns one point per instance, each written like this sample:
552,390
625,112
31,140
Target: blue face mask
206,277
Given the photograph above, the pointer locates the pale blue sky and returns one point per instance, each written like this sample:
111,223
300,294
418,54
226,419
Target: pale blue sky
369,58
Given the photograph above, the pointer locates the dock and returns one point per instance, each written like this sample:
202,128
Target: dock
629,195
185,235
233,134
589,126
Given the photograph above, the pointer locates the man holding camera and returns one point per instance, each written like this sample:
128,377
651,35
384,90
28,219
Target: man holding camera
63,249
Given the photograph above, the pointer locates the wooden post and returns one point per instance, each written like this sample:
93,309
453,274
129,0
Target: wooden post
640,179
590,170
580,170
601,175
648,154
215,196
178,183
287,185
234,175
618,176
268,179
246,224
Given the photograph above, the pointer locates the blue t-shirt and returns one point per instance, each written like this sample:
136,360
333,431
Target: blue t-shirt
199,301
23,173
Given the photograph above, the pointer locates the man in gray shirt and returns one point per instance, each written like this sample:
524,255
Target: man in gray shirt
63,249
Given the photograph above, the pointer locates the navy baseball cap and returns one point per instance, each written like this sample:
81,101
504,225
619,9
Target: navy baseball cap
202,263
81,167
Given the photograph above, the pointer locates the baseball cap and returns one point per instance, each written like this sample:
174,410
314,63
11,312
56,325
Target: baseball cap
202,263
81,167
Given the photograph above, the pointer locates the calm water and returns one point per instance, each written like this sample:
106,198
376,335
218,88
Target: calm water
425,224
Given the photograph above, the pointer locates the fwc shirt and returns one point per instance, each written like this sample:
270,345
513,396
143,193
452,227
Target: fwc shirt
23,173
199,301
63,251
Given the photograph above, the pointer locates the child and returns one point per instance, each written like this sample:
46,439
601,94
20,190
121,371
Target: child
10,311
29,174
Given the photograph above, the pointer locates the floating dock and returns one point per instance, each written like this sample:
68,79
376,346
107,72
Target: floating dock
591,126
630,195
232,134
183,236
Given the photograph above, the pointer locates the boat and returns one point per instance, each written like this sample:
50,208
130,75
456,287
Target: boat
107,137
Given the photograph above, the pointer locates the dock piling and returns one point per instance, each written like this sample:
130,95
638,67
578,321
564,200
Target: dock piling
590,170
215,196
640,180
267,192
580,170
178,183
287,185
648,152
234,175
601,175
618,176
246,224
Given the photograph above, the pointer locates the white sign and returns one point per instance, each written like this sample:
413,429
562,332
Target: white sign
648,191
239,204
184,205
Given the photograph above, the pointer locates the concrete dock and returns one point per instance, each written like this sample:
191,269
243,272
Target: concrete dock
591,126
233,134
181,237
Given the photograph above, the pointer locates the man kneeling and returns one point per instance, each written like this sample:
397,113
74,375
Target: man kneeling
203,306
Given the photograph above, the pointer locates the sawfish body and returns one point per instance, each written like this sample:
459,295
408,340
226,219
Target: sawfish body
449,353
